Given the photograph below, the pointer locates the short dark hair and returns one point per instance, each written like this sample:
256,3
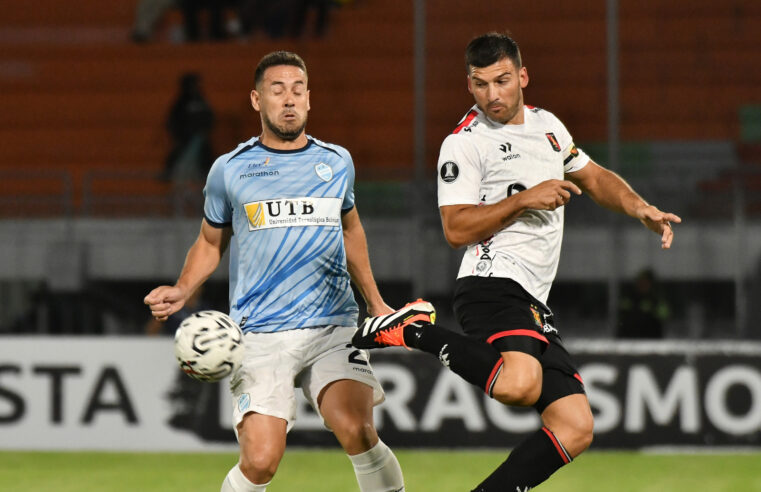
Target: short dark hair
277,58
490,48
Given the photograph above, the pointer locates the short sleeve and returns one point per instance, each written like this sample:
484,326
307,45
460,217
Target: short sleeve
573,157
216,207
459,168
348,201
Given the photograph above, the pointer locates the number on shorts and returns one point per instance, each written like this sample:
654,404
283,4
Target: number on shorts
354,357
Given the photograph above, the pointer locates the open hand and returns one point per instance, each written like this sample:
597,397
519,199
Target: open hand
659,222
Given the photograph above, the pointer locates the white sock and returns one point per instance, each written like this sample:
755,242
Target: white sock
236,481
378,470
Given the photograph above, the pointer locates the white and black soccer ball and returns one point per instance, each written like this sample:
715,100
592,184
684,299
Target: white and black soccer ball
208,346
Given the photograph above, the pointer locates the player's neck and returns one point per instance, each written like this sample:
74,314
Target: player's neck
519,117
270,140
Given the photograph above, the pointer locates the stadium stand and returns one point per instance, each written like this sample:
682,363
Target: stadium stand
80,98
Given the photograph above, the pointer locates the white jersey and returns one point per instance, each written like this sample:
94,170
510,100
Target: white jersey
483,162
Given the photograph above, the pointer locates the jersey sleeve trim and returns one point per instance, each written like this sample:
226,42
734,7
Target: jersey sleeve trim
217,225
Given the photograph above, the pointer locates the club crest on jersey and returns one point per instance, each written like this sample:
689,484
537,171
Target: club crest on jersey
244,401
324,171
553,141
537,317
449,172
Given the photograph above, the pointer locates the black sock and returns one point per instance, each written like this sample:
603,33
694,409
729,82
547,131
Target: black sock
531,463
476,362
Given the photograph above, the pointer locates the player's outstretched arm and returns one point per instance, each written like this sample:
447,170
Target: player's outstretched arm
358,263
468,224
611,191
202,259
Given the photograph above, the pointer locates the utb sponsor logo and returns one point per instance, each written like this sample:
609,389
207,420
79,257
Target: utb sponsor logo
293,212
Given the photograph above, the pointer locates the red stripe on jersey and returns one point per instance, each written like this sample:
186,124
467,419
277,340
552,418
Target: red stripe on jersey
524,333
577,376
561,451
470,117
530,107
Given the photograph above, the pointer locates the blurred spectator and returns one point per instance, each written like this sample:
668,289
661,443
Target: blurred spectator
642,309
189,125
147,15
285,17
213,11
321,15
270,17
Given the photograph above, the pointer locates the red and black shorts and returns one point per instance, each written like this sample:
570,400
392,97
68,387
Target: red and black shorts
500,312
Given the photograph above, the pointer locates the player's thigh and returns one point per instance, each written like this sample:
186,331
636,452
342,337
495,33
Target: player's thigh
347,407
346,397
340,384
265,382
570,419
262,441
333,359
560,377
520,380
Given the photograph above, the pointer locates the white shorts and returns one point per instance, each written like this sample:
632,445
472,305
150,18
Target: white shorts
275,364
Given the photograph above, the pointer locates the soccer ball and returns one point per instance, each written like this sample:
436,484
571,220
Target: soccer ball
208,346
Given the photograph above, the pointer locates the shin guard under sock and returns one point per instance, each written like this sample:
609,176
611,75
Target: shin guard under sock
531,463
476,362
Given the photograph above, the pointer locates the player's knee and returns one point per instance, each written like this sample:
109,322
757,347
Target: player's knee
578,435
584,431
521,389
259,468
355,434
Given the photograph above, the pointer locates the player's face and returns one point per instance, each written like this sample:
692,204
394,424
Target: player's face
282,100
498,90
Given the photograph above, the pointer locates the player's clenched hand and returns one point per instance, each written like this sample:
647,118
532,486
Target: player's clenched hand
658,222
164,301
549,195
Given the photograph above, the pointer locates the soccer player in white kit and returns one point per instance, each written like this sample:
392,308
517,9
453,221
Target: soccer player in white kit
505,174
298,241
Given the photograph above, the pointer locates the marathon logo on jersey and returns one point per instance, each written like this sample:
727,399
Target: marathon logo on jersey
449,172
293,212
553,141
253,170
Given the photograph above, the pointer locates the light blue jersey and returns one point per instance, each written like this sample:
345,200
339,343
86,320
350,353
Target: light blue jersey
287,258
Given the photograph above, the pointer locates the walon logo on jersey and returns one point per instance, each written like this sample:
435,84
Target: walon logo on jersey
507,148
293,212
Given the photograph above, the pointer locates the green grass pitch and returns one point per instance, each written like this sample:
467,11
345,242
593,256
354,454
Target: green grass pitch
330,471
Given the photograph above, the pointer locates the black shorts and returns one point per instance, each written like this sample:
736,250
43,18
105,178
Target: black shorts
500,312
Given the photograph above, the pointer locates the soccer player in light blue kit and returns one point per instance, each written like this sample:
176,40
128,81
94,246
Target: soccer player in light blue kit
298,241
